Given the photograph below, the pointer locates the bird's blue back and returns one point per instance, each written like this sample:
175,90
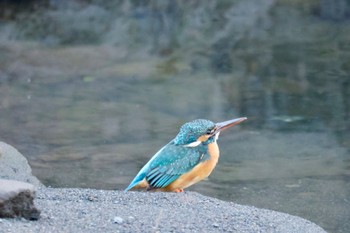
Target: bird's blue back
176,158
170,163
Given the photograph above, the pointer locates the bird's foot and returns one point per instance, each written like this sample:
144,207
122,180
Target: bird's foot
178,190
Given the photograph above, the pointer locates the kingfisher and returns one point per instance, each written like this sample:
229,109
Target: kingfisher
187,159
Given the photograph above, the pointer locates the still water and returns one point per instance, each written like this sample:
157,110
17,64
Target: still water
92,114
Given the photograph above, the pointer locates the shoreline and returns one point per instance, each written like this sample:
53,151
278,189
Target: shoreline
91,210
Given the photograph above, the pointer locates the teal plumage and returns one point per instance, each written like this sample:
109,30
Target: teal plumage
172,162
175,159
182,154
191,131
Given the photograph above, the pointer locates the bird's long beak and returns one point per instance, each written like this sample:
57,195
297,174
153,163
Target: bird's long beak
227,124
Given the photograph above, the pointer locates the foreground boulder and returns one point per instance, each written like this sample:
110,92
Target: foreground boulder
17,185
16,200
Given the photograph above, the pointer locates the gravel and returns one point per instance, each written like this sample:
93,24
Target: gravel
89,210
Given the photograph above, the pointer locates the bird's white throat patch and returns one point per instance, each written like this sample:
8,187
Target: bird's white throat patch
193,144
217,136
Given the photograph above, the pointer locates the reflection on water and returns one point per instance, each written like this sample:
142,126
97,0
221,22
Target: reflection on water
91,115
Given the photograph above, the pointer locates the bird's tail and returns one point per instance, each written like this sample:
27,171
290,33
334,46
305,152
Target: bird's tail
137,182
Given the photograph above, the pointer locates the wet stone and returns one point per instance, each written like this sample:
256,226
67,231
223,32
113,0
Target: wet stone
16,200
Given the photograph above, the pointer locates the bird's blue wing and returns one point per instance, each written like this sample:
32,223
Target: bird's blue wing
172,162
143,172
169,164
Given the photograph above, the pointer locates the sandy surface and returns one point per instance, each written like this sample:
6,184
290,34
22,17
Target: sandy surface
88,210
91,210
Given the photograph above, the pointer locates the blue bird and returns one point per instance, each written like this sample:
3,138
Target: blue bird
189,158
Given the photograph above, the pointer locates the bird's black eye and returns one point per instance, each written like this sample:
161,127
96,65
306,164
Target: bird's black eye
210,131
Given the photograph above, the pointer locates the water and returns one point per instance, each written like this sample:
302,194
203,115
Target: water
90,113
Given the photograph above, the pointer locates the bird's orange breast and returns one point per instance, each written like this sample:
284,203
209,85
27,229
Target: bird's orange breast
198,173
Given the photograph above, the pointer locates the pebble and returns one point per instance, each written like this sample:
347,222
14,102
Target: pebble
131,218
118,220
215,224
92,198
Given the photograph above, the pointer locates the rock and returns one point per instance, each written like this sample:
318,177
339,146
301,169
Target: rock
16,200
68,210
118,220
14,166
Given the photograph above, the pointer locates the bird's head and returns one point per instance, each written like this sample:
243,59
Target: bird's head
202,131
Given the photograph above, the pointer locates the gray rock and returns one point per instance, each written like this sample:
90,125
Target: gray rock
16,200
69,210
14,166
87,210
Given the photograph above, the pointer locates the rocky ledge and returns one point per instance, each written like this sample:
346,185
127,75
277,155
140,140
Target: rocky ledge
88,210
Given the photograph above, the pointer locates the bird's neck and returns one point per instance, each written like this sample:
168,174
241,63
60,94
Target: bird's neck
213,151
212,139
